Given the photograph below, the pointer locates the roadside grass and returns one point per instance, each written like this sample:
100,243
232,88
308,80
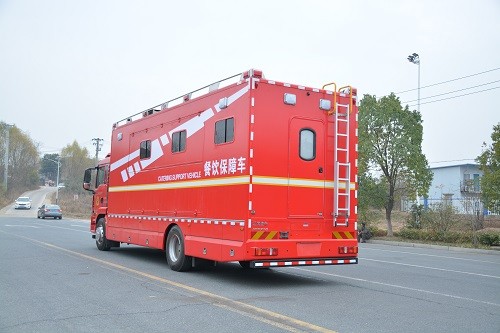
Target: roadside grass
76,205
459,235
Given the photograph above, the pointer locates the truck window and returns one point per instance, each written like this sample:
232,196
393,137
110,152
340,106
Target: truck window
101,175
224,131
179,141
145,151
307,145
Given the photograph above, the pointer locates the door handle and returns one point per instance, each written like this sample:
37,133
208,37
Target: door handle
320,170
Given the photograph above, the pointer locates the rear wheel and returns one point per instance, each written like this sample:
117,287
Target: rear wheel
100,236
174,249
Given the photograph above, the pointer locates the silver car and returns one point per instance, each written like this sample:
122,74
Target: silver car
49,211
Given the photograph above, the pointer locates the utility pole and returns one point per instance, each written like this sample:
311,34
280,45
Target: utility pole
6,155
97,143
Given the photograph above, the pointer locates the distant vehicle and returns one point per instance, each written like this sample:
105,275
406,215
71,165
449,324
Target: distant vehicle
23,203
49,211
61,185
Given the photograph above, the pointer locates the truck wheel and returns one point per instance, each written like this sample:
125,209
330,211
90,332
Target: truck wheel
100,236
174,249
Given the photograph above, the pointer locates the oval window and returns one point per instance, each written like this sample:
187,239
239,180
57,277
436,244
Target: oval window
307,150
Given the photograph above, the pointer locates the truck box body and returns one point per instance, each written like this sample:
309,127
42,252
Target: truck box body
259,171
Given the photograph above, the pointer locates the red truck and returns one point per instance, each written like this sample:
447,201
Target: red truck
246,169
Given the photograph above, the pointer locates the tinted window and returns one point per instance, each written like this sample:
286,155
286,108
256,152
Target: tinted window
224,131
145,151
179,141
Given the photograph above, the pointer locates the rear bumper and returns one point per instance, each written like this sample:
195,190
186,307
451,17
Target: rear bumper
305,262
52,215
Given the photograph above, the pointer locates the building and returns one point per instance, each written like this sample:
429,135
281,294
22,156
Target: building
457,185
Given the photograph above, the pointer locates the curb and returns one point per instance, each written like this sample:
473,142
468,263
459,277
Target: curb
495,251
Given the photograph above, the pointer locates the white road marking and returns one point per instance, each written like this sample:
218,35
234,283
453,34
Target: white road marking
22,226
398,286
433,268
432,255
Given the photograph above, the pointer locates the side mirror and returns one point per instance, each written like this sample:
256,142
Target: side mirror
87,177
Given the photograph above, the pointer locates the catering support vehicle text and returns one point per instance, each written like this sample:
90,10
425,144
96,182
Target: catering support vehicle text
246,169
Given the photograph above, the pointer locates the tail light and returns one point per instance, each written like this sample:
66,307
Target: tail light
266,251
348,249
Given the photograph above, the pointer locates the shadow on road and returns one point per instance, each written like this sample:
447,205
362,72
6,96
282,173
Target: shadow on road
229,272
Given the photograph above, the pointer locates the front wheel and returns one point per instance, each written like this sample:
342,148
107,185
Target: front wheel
174,249
100,236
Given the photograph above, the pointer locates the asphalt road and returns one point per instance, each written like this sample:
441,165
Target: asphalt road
38,198
53,279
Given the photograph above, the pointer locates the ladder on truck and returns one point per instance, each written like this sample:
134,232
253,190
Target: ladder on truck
342,166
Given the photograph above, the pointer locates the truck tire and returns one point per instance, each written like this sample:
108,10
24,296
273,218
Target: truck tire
174,250
100,235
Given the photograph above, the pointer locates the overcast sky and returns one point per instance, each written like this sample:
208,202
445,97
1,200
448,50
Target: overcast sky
70,69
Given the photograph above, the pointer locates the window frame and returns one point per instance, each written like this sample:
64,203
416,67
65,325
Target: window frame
179,140
227,130
301,155
145,149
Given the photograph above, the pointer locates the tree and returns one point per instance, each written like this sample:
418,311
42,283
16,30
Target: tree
371,191
390,139
23,159
74,161
48,167
489,162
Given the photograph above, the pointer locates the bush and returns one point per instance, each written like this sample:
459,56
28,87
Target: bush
414,220
439,218
434,236
490,238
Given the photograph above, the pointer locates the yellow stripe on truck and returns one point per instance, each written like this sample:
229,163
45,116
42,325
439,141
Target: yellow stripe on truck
271,235
343,235
257,235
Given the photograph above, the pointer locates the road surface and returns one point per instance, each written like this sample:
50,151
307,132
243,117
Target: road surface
53,279
38,198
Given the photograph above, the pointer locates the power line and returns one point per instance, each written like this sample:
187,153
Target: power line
450,92
444,99
443,82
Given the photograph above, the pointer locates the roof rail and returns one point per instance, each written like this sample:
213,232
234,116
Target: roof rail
186,97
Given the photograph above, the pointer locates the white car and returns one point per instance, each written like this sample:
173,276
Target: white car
23,203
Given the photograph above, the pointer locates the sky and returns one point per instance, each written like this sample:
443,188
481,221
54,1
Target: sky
70,69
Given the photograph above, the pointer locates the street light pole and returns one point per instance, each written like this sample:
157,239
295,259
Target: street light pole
415,59
57,178
58,162
6,156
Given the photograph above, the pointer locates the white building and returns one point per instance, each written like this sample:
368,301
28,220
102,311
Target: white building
458,185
